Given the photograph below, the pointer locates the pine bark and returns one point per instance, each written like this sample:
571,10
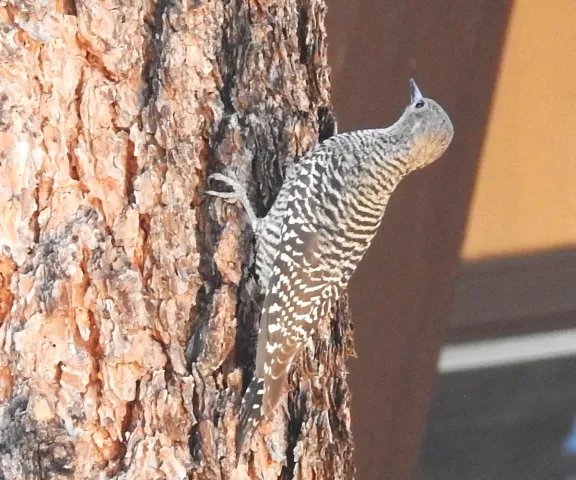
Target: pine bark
128,300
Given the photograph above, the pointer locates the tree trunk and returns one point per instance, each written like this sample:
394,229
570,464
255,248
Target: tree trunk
128,299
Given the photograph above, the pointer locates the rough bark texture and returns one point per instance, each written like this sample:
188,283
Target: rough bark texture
128,303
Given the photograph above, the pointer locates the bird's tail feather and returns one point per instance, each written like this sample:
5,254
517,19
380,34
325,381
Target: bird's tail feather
251,413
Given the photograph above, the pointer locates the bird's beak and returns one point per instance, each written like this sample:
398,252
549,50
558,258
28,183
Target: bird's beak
415,93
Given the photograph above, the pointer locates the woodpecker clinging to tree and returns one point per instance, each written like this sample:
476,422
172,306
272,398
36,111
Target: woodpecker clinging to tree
321,224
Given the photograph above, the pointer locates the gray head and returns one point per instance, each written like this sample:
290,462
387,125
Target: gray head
427,126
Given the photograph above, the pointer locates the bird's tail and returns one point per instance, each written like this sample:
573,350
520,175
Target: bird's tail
251,412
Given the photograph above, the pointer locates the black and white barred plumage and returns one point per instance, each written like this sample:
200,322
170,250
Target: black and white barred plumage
321,224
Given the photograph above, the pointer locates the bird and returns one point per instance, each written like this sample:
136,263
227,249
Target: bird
319,227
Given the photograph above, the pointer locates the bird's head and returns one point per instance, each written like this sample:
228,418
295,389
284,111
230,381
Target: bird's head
427,126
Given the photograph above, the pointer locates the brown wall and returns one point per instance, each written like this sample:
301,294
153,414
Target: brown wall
402,293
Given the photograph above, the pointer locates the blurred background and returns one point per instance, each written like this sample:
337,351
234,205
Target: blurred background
465,307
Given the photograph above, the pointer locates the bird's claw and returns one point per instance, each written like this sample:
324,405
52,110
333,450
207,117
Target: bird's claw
237,190
228,179
232,196
238,193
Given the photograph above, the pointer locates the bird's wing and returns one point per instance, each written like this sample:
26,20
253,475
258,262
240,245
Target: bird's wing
291,308
296,296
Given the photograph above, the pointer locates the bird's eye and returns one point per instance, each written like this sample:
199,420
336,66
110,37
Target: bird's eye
419,104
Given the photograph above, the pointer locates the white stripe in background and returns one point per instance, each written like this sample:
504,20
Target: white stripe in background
507,351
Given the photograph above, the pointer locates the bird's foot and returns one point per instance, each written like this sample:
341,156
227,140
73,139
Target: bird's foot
238,193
